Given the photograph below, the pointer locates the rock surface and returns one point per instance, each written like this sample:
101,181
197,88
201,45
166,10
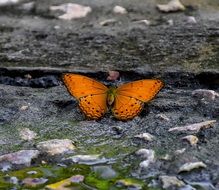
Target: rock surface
36,47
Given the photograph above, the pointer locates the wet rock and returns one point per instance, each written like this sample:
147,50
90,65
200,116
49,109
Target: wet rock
172,6
192,139
72,11
13,180
5,166
145,137
87,159
20,158
33,182
26,134
32,172
108,22
62,185
191,166
195,127
145,153
119,10
187,187
56,146
27,7
105,172
170,182
205,94
203,185
9,2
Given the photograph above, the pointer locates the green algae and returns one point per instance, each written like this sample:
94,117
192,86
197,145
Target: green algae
57,173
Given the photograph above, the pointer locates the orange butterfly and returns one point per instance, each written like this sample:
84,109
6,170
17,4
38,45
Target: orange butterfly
126,101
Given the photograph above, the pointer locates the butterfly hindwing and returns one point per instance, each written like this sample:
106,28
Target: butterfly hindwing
93,106
125,107
91,94
130,97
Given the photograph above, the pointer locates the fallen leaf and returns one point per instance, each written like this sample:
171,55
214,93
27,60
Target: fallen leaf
62,185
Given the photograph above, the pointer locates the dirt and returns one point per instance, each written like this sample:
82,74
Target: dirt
185,56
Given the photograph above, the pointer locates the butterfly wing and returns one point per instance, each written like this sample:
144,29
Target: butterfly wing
125,107
130,97
91,94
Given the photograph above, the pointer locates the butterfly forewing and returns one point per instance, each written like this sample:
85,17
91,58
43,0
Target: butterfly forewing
143,90
91,94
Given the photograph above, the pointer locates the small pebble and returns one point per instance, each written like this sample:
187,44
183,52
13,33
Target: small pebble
33,182
172,6
170,22
26,134
180,151
119,10
56,146
205,94
192,139
113,75
191,166
168,182
145,22
145,137
72,11
108,22
32,172
191,20
23,108
162,117
87,159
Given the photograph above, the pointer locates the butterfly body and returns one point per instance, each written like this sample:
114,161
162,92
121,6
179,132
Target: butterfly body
125,101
